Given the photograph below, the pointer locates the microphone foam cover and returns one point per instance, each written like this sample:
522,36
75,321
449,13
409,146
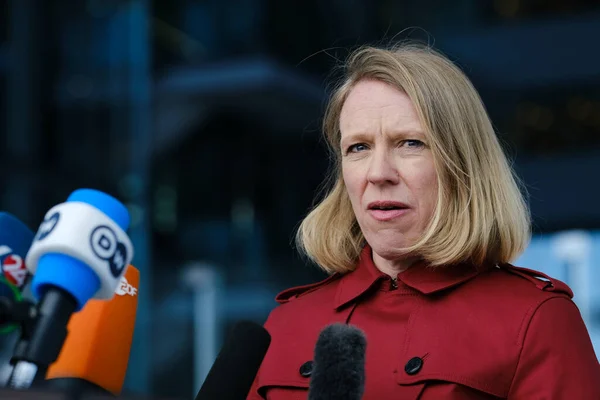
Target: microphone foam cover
339,364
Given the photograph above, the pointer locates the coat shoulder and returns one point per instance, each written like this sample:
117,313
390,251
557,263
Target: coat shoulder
522,288
302,303
536,283
293,293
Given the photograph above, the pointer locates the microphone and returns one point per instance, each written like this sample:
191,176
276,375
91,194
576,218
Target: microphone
339,364
94,357
15,240
80,252
235,368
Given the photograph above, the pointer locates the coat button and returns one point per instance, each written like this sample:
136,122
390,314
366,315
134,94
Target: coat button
413,365
306,369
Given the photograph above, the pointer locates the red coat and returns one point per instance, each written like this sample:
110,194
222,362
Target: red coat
500,332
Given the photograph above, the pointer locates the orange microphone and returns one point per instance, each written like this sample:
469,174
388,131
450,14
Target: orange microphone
95,354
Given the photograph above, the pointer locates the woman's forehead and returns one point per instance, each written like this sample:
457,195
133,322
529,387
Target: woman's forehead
373,104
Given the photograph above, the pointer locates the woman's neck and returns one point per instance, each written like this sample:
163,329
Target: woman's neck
393,267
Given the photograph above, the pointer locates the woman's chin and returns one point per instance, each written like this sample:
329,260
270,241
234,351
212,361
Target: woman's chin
389,249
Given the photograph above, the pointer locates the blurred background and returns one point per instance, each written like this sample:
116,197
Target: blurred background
203,116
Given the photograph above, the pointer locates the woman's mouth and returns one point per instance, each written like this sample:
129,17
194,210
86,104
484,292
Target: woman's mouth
387,210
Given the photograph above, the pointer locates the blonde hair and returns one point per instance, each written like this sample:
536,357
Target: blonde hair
480,214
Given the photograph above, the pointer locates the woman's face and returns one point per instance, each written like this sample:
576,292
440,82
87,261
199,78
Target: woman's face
387,167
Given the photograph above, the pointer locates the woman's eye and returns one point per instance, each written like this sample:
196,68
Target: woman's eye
356,148
413,143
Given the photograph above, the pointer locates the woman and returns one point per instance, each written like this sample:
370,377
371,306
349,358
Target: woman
417,231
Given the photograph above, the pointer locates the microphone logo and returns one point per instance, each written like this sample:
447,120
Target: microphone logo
125,288
13,267
106,246
47,226
14,270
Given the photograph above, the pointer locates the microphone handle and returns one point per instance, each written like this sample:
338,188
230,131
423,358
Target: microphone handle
40,347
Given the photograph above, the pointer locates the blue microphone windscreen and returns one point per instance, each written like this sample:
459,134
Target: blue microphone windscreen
15,234
15,241
109,205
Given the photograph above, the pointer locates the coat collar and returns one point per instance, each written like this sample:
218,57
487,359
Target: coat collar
419,277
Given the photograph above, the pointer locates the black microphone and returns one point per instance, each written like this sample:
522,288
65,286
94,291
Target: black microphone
339,364
236,366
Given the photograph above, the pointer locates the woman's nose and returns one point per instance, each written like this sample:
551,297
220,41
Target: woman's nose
382,169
